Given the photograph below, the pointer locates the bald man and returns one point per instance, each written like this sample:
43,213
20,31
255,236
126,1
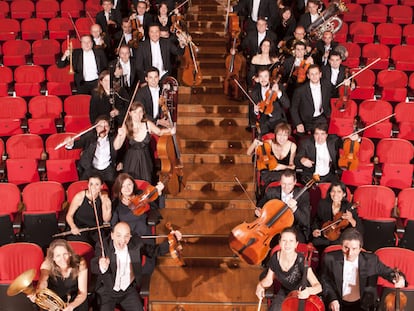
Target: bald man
120,272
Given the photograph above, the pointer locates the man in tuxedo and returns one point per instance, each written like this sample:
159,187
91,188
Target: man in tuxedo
109,19
125,69
156,52
335,72
349,276
254,38
311,101
300,207
253,9
142,17
120,272
324,46
306,19
88,63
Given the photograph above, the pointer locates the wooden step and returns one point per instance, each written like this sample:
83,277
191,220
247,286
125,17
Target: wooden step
215,28
191,306
206,16
229,107
222,156
224,119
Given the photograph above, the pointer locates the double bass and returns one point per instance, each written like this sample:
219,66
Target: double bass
395,300
251,241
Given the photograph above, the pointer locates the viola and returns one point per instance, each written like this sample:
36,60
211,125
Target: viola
344,90
348,158
395,300
266,105
332,229
313,302
301,70
251,241
175,247
235,68
265,159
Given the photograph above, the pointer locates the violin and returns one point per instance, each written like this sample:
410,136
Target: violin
301,70
251,241
266,105
395,300
332,229
348,158
175,247
313,302
265,159
136,25
344,90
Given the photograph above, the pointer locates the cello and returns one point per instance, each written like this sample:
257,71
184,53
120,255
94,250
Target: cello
395,300
235,67
251,241
313,302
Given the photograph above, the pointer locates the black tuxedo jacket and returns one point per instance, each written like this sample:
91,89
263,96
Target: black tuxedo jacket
302,107
267,8
144,96
302,213
133,74
369,268
326,75
249,44
144,57
77,59
320,50
114,16
305,20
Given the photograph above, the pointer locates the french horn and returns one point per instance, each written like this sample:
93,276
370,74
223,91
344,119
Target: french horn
45,298
327,21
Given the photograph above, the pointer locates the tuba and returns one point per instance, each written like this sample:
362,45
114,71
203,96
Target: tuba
328,21
45,298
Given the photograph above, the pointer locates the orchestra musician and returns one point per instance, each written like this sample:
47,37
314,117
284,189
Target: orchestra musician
253,9
109,18
311,15
162,18
100,40
119,273
265,58
126,37
143,19
349,276
286,24
324,47
288,267
125,70
287,45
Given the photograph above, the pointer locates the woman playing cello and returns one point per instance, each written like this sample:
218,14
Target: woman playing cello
287,266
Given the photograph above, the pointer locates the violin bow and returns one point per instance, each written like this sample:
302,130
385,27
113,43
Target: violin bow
358,72
368,126
244,92
226,25
179,6
244,190
259,306
130,103
98,227
76,136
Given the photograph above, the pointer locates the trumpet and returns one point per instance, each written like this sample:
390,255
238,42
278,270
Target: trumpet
70,47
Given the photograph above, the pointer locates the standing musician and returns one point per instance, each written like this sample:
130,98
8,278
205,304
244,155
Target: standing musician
120,271
287,266
66,274
324,47
300,208
335,72
100,40
272,94
109,19
311,15
335,204
163,18
286,27
287,45
253,9
156,52
88,63
140,17
125,69
98,155
126,37
81,212
349,276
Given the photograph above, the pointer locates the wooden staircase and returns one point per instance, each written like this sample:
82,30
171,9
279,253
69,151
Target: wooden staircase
213,143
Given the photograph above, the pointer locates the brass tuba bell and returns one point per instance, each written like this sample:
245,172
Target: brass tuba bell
45,298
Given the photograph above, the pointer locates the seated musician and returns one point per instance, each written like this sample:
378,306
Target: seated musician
286,25
287,266
141,16
66,274
118,267
328,209
265,58
287,44
268,93
109,18
251,43
349,276
324,47
100,40
312,14
335,72
282,149
300,207
254,9
125,70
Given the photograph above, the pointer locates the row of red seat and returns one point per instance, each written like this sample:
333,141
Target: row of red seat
22,9
379,13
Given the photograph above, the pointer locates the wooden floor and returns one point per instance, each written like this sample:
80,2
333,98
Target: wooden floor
213,143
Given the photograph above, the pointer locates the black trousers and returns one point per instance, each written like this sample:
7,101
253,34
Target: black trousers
129,300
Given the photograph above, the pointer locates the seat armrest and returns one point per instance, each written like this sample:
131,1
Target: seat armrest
154,217
17,225
145,285
61,218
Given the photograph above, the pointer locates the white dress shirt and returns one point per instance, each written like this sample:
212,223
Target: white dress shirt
155,94
334,75
317,98
126,71
323,159
157,61
102,157
90,69
350,284
255,10
123,269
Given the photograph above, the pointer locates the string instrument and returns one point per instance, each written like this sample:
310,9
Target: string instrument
251,241
169,154
139,204
235,64
265,159
344,91
266,105
395,300
175,247
332,229
313,302
300,71
348,158
136,25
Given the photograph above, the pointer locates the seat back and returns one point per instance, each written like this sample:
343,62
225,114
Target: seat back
42,106
43,197
9,29
24,146
77,105
373,110
29,74
10,198
374,201
406,203
62,153
47,8
397,257
395,150
22,9
59,27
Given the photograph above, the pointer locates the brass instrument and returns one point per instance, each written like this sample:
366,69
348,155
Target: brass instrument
45,298
70,47
328,21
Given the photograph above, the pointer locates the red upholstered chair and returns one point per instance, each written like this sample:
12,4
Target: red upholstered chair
372,110
9,29
364,173
342,122
93,7
83,25
15,52
33,28
354,53
342,34
408,34
44,110
404,115
61,163
71,8
17,258
362,32
393,84
354,13
406,213
324,187
388,33
24,151
4,9
388,2
10,200
75,45
12,112
77,113
376,12
372,51
403,57
395,155
28,79
47,8
22,9
6,78
59,81
78,186
407,2
401,14
45,51
365,84
59,28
